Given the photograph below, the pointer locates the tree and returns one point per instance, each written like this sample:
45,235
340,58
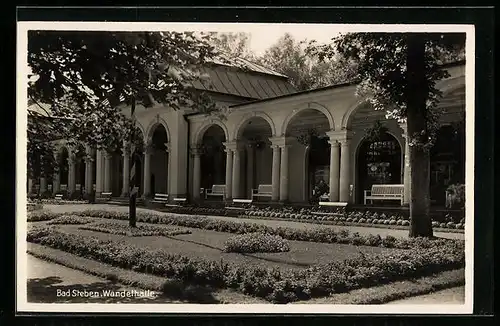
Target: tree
398,73
235,45
305,71
89,79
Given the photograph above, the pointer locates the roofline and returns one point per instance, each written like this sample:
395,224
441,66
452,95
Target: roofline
247,70
447,65
299,93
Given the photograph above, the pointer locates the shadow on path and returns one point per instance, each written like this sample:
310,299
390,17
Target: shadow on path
50,290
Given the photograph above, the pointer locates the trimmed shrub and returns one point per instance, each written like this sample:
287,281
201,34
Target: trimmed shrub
256,242
70,219
42,215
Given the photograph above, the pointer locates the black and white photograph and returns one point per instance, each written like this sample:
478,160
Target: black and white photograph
245,167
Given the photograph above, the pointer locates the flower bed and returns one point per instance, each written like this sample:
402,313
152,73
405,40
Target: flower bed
275,285
34,207
43,215
70,219
52,201
340,217
256,242
139,231
324,235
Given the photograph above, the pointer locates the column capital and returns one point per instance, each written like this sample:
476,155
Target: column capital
234,146
339,135
404,128
107,155
282,141
196,150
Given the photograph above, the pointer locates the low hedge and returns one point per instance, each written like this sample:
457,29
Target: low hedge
70,219
323,235
274,284
44,215
256,242
138,231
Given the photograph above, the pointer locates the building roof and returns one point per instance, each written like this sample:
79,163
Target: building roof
244,83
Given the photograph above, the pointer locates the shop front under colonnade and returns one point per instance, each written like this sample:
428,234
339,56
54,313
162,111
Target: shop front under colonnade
259,143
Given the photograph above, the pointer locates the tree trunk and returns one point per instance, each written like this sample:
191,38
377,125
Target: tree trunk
133,195
417,94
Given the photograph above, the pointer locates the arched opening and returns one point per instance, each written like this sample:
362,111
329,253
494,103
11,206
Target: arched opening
213,157
378,162
63,169
447,160
309,128
256,166
159,161
448,153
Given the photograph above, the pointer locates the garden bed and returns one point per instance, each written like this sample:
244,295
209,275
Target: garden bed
323,235
276,285
70,219
330,220
141,230
207,244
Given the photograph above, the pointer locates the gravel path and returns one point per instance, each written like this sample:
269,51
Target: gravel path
454,295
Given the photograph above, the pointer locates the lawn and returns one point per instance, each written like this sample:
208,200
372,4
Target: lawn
207,244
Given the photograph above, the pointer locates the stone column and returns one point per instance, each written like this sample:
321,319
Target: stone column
250,167
237,172
126,171
229,172
334,170
99,173
71,173
284,173
30,186
107,172
89,171
169,170
276,172
43,185
407,168
344,182
147,173
196,172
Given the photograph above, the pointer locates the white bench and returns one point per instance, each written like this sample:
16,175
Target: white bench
160,198
58,197
332,204
385,192
106,195
262,191
216,191
242,201
180,201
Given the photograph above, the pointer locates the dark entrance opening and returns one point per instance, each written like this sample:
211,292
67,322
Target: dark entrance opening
379,162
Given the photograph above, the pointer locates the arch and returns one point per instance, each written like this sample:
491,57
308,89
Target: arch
198,136
310,106
148,135
350,112
360,179
257,114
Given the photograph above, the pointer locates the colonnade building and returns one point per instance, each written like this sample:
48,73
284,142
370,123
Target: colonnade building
265,139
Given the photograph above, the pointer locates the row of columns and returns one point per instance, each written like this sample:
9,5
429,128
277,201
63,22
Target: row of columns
103,182
339,168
